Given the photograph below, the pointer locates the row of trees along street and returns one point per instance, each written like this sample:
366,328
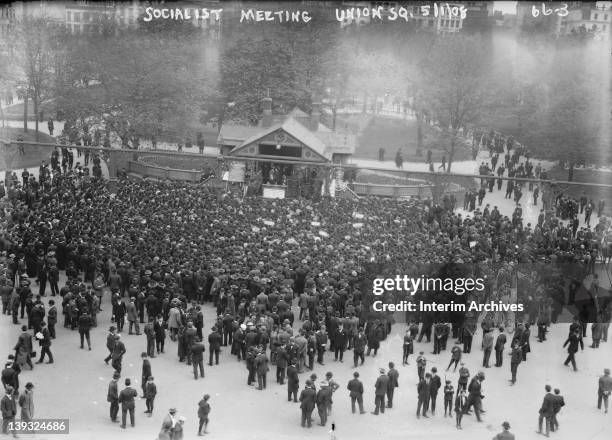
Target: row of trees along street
158,79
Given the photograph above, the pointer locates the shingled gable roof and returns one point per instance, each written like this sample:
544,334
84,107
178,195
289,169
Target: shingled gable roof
234,134
294,129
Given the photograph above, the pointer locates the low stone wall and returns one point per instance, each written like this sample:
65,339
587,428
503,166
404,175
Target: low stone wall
157,172
368,189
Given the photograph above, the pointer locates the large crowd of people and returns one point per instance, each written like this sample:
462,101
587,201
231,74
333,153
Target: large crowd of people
165,250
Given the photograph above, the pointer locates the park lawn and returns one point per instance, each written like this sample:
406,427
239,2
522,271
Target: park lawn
33,154
15,111
392,134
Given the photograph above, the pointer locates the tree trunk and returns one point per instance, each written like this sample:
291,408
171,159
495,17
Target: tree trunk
220,118
25,112
451,153
419,118
35,101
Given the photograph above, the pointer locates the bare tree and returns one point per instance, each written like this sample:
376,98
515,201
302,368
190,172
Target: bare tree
135,83
454,84
36,63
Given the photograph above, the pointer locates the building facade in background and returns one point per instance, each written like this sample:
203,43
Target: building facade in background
593,19
590,18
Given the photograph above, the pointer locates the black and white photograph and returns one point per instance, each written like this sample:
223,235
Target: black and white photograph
326,220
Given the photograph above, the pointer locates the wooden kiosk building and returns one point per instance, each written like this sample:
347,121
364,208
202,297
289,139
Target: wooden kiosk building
297,140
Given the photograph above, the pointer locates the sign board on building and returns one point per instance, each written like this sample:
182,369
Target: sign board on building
274,191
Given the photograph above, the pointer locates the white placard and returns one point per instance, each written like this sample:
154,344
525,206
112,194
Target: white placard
236,171
273,192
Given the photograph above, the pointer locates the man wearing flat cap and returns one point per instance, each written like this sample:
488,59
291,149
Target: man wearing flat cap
604,390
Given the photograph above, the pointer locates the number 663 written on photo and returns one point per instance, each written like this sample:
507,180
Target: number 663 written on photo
37,426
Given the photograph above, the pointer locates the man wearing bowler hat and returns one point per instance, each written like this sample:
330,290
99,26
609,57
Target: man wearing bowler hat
505,434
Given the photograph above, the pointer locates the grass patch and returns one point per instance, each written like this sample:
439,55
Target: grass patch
34,154
392,133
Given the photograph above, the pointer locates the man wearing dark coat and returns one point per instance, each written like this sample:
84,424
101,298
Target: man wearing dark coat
113,397
110,343
150,391
359,343
500,342
515,359
118,352
307,399
85,324
197,357
321,337
23,349
293,381
261,368
424,393
380,391
214,346
475,396
393,383
573,341
546,411
558,403
8,406
355,386
525,347
146,372
323,400
281,364
45,344
126,398
340,341
160,334
434,386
